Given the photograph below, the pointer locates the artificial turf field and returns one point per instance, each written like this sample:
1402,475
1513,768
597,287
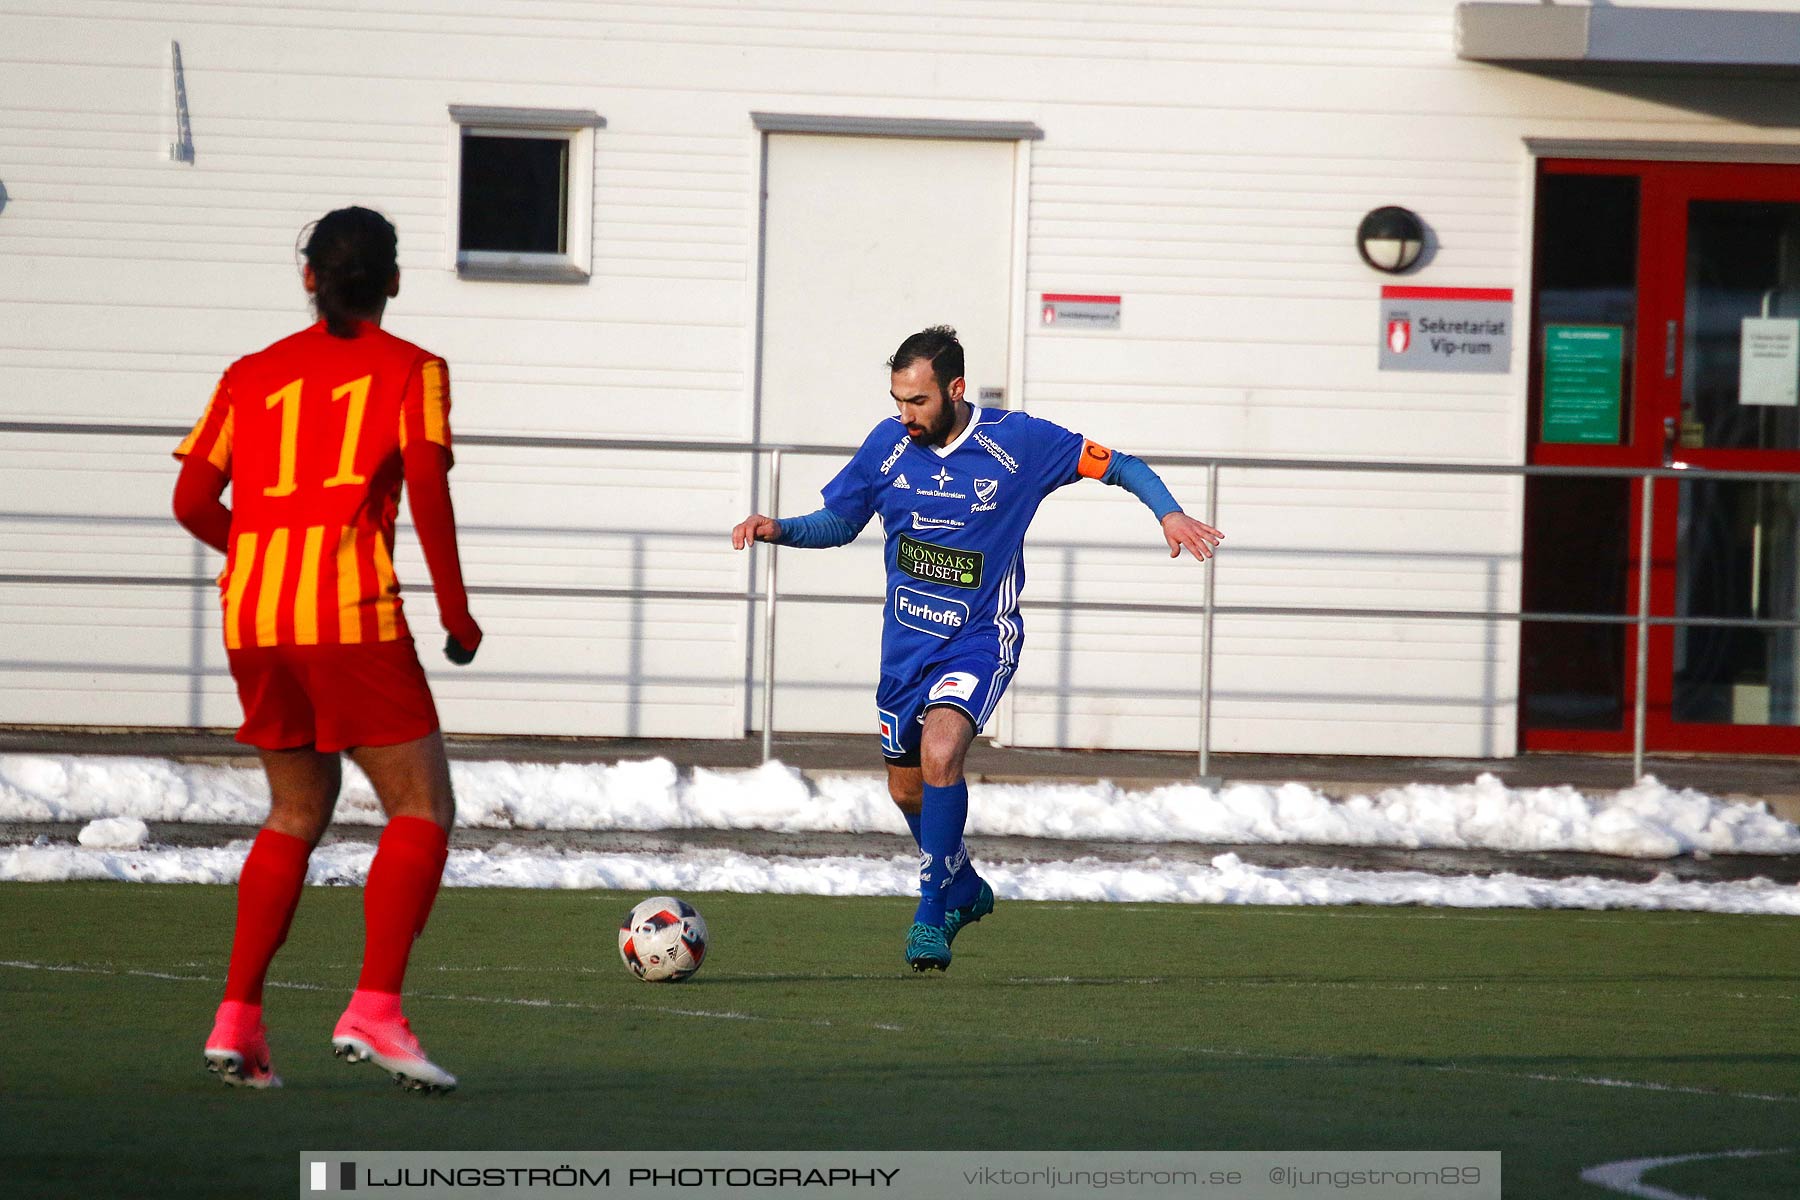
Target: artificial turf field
1098,1026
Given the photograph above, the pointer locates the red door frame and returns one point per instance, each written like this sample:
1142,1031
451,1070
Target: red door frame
1665,190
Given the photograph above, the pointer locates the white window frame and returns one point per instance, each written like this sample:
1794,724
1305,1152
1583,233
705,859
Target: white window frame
574,125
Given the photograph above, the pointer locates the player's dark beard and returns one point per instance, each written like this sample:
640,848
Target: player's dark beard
938,432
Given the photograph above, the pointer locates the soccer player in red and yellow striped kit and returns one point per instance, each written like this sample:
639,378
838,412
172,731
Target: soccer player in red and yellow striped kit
315,435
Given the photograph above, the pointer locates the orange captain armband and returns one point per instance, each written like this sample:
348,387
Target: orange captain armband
1094,459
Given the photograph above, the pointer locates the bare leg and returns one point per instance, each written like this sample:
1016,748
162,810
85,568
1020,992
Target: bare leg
303,790
411,779
907,787
944,745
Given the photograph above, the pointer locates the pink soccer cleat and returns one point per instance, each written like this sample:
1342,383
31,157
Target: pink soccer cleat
237,1050
373,1029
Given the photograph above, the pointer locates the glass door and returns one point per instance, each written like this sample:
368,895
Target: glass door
1666,328
1590,354
1734,544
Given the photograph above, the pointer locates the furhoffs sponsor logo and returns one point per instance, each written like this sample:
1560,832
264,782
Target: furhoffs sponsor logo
939,616
931,563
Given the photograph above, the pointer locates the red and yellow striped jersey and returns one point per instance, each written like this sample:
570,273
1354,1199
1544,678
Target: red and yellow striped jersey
310,433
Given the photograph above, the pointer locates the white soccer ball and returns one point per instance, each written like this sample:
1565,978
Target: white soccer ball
663,940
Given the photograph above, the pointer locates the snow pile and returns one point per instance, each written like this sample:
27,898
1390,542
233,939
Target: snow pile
1226,880
114,833
1645,821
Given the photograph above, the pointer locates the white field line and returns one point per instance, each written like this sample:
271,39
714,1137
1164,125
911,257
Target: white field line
1626,1175
1070,980
1324,1060
1323,985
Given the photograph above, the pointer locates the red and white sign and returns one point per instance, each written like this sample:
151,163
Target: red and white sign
1081,309
1455,329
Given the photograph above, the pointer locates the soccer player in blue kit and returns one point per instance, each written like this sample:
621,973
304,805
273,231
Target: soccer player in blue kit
956,487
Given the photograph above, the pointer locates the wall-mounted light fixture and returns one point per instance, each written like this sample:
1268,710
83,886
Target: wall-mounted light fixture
1390,238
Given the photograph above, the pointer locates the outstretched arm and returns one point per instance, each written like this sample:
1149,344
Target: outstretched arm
1179,530
815,531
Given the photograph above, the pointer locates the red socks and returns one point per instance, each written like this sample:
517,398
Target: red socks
403,882
268,892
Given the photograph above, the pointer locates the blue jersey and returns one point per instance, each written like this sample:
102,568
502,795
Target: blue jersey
955,518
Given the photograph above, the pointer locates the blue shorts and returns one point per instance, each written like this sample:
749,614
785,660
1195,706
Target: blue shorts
970,681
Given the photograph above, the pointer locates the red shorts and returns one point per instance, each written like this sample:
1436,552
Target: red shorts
332,697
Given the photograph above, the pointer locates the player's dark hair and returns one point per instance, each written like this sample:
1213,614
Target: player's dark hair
352,252
937,346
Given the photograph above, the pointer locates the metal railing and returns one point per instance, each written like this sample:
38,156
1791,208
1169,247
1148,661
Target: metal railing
1208,611
1642,620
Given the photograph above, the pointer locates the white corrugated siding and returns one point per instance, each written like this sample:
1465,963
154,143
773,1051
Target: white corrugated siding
1208,161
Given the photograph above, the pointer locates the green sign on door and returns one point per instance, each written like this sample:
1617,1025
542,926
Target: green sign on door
1583,372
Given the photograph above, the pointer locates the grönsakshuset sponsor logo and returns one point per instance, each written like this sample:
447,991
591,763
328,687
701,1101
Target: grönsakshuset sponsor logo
929,562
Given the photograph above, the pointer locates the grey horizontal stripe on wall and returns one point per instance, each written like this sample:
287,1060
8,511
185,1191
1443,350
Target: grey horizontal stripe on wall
915,127
516,441
1744,152
95,430
527,118
521,272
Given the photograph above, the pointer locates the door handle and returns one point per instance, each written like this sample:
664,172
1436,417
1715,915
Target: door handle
1670,333
1668,441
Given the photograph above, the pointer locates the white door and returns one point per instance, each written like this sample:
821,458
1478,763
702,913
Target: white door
866,240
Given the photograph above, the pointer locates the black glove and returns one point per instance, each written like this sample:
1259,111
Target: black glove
456,652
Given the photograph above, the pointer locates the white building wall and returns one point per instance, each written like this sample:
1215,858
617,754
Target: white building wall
1207,161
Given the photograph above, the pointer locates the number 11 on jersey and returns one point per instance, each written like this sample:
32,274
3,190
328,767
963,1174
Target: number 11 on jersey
288,399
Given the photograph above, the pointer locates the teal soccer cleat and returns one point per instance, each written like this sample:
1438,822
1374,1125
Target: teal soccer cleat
927,949
968,914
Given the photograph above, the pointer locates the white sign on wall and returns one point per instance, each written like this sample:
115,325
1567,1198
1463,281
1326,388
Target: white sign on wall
1082,310
1464,330
1769,361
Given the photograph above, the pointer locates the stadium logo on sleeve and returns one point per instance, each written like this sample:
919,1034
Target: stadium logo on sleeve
939,616
894,455
930,563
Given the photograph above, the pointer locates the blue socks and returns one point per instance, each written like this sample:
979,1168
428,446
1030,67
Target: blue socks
946,880
912,823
